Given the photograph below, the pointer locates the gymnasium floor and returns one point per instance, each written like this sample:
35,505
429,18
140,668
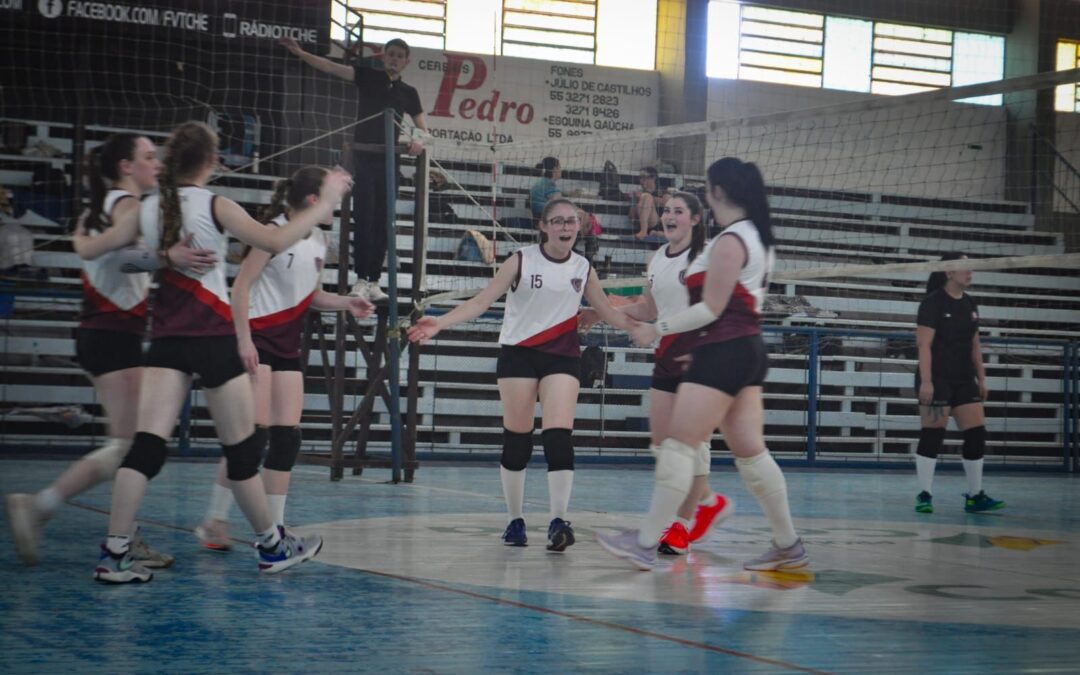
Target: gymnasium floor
413,579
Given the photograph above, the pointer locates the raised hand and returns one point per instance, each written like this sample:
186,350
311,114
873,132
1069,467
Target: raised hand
425,328
360,308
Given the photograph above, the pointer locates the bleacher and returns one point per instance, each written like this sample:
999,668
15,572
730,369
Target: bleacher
865,398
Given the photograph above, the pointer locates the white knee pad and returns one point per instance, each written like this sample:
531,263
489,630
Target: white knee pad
110,456
761,474
675,465
703,461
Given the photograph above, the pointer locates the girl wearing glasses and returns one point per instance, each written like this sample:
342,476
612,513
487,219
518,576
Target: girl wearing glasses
539,358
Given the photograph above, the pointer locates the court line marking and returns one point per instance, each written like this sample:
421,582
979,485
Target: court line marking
523,605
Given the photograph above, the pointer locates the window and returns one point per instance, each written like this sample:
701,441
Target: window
619,33
421,23
1067,96
815,50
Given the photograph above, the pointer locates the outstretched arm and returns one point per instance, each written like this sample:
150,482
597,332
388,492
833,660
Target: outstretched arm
317,62
428,327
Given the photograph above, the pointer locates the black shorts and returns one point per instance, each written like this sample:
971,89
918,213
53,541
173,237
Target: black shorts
105,351
952,394
214,359
534,364
731,365
278,363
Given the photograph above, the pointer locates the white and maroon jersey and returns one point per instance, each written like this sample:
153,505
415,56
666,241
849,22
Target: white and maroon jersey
543,303
113,300
283,292
667,285
742,316
188,304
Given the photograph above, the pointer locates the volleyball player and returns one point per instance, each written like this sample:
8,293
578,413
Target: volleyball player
664,297
192,334
723,384
539,356
270,298
951,380
108,341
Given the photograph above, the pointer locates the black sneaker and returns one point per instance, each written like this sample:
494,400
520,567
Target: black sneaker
560,535
515,533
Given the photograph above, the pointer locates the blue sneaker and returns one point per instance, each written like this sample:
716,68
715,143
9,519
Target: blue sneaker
560,535
515,533
777,559
625,545
291,550
120,569
982,502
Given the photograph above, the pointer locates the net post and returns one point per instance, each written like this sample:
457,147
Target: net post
336,390
420,220
394,330
812,398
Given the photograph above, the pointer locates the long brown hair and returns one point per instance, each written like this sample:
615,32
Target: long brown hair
103,163
697,232
292,192
187,151
743,184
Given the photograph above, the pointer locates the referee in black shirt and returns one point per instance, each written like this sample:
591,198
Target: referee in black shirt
951,379
376,90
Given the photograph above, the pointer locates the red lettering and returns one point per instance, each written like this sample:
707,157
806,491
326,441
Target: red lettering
486,111
451,82
506,107
466,108
525,113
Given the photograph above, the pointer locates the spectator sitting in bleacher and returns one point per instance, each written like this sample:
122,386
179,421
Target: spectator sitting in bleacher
647,203
545,188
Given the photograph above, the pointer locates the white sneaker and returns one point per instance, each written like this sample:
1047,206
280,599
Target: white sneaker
376,294
360,289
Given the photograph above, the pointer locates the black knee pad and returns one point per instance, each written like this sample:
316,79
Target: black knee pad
147,454
930,442
558,449
242,460
974,443
517,449
284,447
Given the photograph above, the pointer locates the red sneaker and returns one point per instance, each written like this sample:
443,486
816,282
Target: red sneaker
676,540
708,515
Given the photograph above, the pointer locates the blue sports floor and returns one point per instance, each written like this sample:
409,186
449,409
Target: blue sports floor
413,579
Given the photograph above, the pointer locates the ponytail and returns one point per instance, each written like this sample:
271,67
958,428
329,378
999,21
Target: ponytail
277,205
101,164
743,184
187,152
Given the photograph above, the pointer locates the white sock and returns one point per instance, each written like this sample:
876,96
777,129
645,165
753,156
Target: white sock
221,501
973,469
924,467
559,486
685,522
709,499
270,538
513,485
765,480
277,507
47,501
667,494
117,543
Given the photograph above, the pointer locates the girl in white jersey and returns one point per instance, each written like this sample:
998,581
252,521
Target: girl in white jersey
108,341
665,296
270,298
723,384
540,357
192,334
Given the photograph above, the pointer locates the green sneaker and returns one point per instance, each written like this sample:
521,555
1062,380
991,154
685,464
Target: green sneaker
982,502
924,502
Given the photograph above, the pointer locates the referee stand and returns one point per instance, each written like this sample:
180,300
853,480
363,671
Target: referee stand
380,348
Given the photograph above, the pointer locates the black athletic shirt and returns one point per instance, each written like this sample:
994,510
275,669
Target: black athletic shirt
955,323
375,92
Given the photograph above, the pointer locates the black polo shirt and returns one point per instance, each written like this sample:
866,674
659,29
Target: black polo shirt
955,322
375,92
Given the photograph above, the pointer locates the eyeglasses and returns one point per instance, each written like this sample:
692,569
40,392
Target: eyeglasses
557,221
